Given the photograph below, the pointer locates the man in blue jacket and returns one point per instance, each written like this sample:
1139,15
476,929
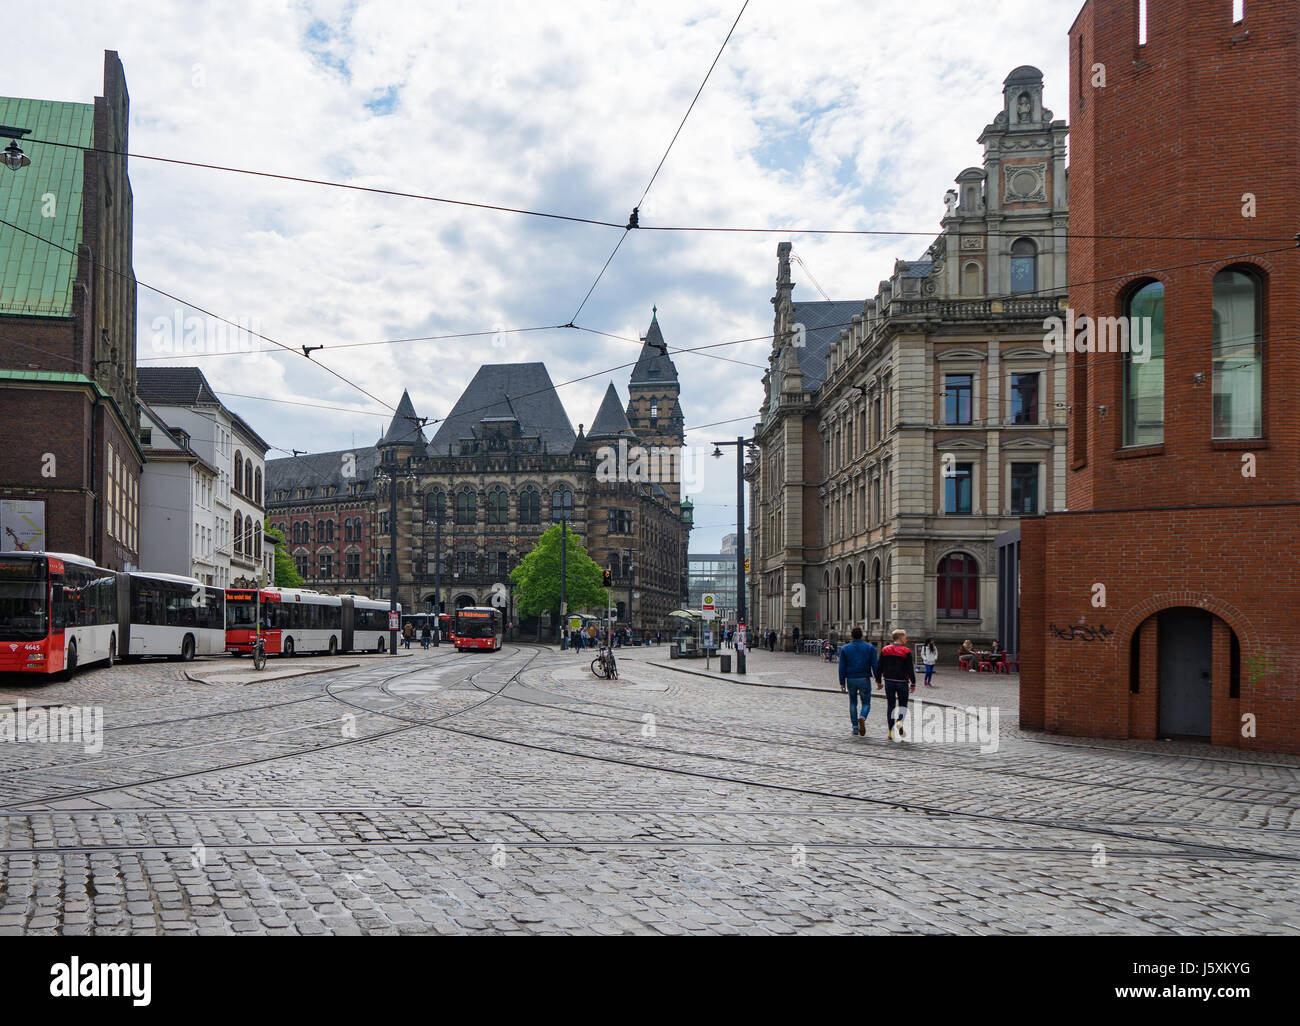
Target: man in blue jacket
857,667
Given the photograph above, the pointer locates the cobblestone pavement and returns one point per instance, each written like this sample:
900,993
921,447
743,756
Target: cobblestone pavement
513,792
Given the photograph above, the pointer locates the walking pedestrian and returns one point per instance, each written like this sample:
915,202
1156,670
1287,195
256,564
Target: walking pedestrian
894,673
426,637
929,656
795,636
407,630
857,666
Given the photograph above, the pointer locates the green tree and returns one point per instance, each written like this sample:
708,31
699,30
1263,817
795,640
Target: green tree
286,574
537,577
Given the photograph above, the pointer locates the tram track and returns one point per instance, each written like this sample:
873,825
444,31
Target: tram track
296,753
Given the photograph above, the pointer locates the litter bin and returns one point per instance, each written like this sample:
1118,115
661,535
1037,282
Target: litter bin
724,664
740,662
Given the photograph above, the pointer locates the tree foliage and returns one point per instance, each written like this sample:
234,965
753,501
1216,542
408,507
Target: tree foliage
537,577
286,574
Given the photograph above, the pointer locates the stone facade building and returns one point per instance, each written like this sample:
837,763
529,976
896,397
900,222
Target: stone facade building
899,436
502,465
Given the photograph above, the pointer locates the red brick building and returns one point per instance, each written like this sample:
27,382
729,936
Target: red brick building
71,459
1163,603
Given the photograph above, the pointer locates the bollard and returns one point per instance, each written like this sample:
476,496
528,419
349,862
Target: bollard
724,664
740,662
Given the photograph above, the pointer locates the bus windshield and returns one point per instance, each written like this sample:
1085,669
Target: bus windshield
242,613
475,625
23,612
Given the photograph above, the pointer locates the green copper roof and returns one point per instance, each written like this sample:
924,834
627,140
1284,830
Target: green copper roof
36,278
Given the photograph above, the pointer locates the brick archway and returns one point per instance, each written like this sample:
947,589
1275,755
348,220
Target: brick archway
1247,636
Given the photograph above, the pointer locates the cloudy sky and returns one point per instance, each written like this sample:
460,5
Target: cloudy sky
824,114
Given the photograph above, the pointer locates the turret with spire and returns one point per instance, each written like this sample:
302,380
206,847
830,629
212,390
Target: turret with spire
654,411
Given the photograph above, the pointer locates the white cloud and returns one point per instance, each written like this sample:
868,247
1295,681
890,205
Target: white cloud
837,113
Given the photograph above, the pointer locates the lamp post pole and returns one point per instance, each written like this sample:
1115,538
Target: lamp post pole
740,444
437,576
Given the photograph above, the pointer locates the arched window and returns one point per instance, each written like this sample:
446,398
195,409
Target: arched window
239,533
971,285
875,589
320,530
530,506
959,585
1144,366
248,477
238,479
561,504
435,507
498,507
257,486
466,507
837,595
248,536
257,538
347,530
1238,356
1024,261
329,530
848,585
864,608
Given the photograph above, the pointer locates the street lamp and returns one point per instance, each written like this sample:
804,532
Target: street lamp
740,444
13,156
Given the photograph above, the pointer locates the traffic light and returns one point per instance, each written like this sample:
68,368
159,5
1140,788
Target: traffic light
746,564
608,578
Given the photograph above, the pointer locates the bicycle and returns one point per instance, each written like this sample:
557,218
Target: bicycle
605,665
259,653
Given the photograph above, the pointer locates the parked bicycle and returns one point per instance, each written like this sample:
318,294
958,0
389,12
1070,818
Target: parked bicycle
259,653
604,665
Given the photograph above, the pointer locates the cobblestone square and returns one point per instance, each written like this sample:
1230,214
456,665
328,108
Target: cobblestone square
445,792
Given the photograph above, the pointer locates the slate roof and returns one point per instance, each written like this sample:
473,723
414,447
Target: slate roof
186,386
916,268
654,365
174,386
319,470
611,419
405,428
35,277
823,322
521,391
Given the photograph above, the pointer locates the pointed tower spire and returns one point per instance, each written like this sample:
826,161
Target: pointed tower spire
405,428
611,420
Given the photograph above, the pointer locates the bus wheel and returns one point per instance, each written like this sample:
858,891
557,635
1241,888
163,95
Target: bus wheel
187,649
334,645
70,661
112,650
287,648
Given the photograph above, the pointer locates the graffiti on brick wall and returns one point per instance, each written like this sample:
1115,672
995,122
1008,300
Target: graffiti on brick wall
1261,665
1079,632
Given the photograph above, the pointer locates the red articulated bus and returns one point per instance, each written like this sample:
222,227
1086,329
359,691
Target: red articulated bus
56,611
296,620
478,627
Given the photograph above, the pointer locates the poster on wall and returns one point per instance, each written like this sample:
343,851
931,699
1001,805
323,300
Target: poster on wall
22,525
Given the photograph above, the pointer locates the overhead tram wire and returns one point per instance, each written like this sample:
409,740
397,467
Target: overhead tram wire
773,230
208,313
634,219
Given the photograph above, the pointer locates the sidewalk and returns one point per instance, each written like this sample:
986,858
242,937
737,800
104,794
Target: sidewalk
811,672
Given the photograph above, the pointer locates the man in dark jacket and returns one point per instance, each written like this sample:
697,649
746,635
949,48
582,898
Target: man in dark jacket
897,672
857,667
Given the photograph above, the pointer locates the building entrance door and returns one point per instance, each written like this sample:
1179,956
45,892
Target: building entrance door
1185,672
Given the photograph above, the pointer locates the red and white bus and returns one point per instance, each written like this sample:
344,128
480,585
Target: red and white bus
298,620
57,611
478,627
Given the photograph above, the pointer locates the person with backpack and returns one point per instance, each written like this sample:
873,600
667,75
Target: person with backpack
426,637
894,673
407,631
857,666
929,656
